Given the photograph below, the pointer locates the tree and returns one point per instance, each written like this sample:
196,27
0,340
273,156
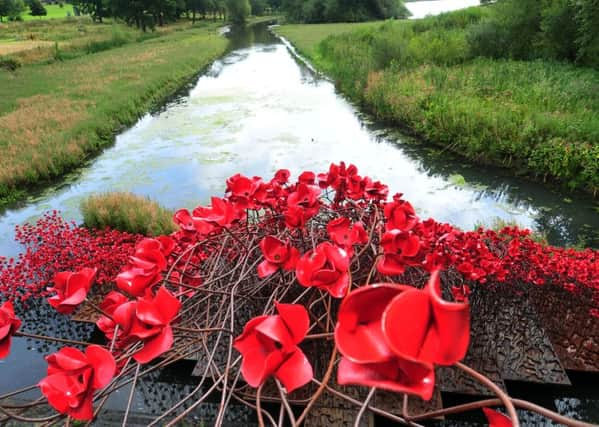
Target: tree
239,10
11,9
258,7
97,9
37,8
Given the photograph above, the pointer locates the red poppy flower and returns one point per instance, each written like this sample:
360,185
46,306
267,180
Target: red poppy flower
9,324
71,289
439,330
242,190
497,419
148,320
325,268
375,190
282,176
72,378
269,346
305,197
400,215
307,178
138,276
106,324
344,234
277,255
208,219
151,250
368,359
400,249
184,220
391,335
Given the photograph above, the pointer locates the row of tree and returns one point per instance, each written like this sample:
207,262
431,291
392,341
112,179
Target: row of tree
343,10
149,13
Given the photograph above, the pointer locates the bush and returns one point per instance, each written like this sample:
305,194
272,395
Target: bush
10,64
127,212
488,39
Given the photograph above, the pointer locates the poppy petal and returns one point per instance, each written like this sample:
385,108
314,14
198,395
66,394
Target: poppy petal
394,375
296,319
155,346
497,419
103,363
266,268
295,372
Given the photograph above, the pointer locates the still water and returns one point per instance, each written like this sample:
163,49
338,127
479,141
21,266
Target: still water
254,111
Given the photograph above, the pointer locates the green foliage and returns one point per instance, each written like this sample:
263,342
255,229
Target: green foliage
343,10
534,116
127,212
37,8
259,7
11,9
565,30
239,10
10,64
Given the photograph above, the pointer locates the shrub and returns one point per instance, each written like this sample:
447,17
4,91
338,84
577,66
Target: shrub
127,212
10,64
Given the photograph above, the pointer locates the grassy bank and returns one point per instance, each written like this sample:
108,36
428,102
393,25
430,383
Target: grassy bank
537,117
55,11
55,116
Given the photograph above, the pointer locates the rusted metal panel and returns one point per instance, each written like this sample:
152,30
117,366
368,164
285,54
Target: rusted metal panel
572,331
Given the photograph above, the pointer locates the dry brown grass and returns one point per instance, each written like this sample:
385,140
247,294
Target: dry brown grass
7,48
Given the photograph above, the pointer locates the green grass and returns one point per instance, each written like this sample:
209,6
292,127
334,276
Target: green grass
306,37
55,116
127,212
536,117
38,41
54,12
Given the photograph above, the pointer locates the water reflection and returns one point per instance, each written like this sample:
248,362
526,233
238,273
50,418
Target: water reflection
420,9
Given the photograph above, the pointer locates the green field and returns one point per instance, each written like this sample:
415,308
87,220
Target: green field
537,117
54,11
54,116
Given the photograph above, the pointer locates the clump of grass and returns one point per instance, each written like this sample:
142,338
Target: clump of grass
127,212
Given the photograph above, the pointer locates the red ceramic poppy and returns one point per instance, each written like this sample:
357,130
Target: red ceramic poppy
138,276
400,249
151,250
282,176
326,268
368,359
72,378
148,319
375,190
305,197
277,255
307,177
9,324
344,234
208,219
400,215
497,419
71,289
439,330
269,346
184,220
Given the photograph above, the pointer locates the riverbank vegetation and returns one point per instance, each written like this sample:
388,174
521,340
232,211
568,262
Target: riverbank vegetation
55,116
532,108
127,212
